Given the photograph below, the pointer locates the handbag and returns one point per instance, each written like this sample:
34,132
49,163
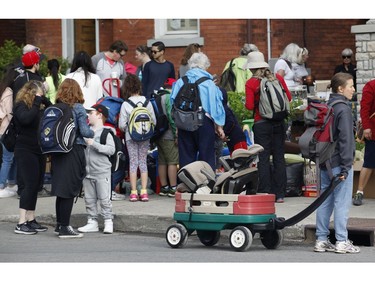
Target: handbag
9,137
360,137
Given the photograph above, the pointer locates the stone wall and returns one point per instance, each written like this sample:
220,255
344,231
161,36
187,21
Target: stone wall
365,52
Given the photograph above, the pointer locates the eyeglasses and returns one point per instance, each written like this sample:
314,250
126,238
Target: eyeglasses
121,55
346,57
155,52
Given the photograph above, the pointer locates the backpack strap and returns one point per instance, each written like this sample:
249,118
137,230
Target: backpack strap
202,79
103,136
231,63
131,103
135,105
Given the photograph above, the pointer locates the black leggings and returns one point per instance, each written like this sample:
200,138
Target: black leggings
30,175
64,207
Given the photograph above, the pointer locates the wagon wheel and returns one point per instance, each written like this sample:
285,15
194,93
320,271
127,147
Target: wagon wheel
176,235
240,238
208,237
272,239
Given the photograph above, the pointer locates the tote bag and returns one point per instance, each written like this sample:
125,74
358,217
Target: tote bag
9,137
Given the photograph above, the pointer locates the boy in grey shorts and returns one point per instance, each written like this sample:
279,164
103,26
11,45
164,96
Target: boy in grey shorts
97,183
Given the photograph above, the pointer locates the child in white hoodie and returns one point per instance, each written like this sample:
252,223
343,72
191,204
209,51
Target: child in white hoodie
97,183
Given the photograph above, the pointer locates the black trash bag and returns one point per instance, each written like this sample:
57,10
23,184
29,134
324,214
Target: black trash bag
295,182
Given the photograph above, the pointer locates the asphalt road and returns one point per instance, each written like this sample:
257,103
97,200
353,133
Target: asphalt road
135,250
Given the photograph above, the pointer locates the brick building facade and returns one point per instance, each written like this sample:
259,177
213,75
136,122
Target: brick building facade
223,38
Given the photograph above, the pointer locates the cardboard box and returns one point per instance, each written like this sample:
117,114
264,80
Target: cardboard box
322,85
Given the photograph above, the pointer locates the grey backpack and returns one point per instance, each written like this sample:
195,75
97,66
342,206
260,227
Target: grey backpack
273,102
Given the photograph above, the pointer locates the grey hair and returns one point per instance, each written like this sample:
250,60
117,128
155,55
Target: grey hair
199,60
248,48
347,52
290,53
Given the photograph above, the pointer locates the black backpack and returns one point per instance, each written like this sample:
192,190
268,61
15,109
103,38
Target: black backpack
187,111
162,123
57,129
228,78
118,158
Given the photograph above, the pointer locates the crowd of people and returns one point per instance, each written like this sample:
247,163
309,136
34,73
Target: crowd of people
25,94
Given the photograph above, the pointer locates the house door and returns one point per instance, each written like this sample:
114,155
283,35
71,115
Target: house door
84,35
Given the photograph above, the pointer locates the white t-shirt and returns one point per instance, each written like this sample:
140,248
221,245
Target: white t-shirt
93,89
289,74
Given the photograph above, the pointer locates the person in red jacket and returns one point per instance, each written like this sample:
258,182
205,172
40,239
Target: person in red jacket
267,133
367,114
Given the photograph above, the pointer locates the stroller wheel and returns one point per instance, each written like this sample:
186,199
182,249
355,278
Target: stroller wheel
208,237
241,238
176,235
272,239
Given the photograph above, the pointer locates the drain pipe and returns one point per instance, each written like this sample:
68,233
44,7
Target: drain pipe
248,31
269,39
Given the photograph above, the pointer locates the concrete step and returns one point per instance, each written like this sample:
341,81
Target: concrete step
360,231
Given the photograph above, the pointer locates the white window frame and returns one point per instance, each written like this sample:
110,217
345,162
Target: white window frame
175,38
161,30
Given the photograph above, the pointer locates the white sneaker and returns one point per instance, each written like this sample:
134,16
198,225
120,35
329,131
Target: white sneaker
343,247
91,226
108,226
117,196
324,246
5,193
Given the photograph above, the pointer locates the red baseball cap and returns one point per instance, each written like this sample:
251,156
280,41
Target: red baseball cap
30,58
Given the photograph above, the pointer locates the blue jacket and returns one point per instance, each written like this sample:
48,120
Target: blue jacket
210,94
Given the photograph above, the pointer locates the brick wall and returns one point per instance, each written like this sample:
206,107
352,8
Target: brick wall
325,39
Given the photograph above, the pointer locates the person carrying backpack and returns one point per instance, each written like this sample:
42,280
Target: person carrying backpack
199,144
268,133
137,150
167,147
69,169
97,183
341,161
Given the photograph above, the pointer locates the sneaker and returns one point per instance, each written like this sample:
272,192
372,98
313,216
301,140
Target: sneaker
108,226
44,192
91,226
57,229
24,228
144,197
171,192
133,197
280,200
117,196
164,191
6,193
35,225
357,200
68,232
343,247
324,246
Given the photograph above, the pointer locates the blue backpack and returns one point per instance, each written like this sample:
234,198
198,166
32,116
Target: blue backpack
57,129
114,106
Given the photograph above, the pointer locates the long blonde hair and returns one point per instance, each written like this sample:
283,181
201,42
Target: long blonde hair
28,92
260,73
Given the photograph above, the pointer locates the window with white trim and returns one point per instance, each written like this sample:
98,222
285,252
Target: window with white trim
173,28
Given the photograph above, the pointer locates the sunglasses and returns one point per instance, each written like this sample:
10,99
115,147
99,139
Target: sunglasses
155,52
346,57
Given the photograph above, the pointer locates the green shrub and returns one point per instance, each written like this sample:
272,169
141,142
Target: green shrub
236,102
9,53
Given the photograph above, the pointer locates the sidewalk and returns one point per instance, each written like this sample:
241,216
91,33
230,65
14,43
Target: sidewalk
155,216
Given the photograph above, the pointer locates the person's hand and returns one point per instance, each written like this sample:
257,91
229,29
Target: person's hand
220,132
89,141
368,134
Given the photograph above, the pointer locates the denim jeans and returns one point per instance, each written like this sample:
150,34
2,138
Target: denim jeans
8,168
338,203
